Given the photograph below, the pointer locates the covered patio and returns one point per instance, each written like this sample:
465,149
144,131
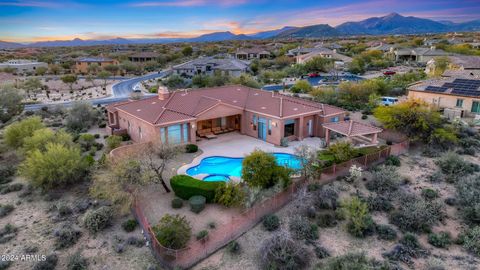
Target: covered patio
359,133
210,128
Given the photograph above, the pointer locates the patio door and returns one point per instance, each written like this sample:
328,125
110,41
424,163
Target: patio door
476,107
310,128
262,129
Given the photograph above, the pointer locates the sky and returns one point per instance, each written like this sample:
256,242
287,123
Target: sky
39,20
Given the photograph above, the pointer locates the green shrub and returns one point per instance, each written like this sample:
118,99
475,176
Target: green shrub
386,232
7,233
66,236
230,194
379,203
359,221
11,188
16,133
325,220
202,234
6,173
393,161
77,262
440,240
271,222
321,252
326,198
301,229
455,167
113,142
99,219
468,197
129,225
6,209
260,169
48,264
177,203
191,148
385,180
234,247
471,240
352,261
186,187
416,215
280,251
341,151
173,231
429,193
364,117
408,249
197,203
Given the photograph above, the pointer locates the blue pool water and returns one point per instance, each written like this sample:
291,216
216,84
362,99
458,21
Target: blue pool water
221,168
320,80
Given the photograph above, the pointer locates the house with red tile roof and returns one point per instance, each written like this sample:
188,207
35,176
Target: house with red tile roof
184,116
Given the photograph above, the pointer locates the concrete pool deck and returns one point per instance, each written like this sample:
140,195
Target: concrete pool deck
237,145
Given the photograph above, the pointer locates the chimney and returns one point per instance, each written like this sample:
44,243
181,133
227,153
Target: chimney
163,93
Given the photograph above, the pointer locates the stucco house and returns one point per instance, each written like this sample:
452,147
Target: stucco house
22,66
185,116
340,59
210,65
82,63
419,55
252,53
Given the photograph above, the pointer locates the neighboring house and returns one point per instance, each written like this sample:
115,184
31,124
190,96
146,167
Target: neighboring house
210,65
22,66
300,51
385,48
184,116
82,64
462,95
340,59
419,55
458,66
252,53
143,57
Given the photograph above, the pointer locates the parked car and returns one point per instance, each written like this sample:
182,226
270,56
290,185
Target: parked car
387,101
313,75
389,73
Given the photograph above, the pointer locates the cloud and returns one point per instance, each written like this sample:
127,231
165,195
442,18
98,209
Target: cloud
189,3
38,4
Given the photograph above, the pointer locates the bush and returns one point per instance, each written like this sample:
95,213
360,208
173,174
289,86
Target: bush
386,232
471,240
321,252
283,253
379,203
429,194
271,222
352,261
230,194
64,210
49,264
326,198
66,236
177,203
191,148
197,203
7,233
407,249
113,142
393,161
326,220
129,225
6,209
77,262
360,223
173,231
385,180
364,116
260,169
16,133
99,219
6,173
186,187
202,235
341,151
440,240
301,229
468,196
416,215
454,166
11,188
234,247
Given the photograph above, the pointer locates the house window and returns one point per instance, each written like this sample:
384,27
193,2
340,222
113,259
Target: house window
476,107
163,138
185,132
174,134
334,119
459,103
269,127
289,128
224,121
254,122
218,122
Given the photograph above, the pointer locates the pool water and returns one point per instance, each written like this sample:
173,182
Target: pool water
222,168
320,80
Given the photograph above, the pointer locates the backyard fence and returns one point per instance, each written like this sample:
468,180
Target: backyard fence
222,235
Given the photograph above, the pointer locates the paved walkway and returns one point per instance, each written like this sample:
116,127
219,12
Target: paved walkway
237,145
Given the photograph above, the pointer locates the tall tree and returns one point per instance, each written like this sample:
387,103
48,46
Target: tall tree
10,102
70,80
32,85
156,159
104,75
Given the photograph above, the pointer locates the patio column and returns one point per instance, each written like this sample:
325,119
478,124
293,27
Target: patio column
193,132
374,138
301,128
327,136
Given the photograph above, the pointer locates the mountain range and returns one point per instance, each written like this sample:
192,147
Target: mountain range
390,24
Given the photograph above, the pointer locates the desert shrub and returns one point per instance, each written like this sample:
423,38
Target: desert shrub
230,194
99,219
313,187
341,151
281,252
429,193
379,203
6,173
113,142
6,209
321,252
471,240
173,231
177,203
11,188
406,250
454,166
260,169
81,116
77,262
201,234
326,198
7,233
450,201
129,225
271,222
359,221
440,240
325,220
234,247
386,232
385,180
364,116
66,236
135,241
416,215
197,203
301,229
86,141
191,148
352,261
64,210
5,265
16,133
437,176
392,161
186,186
468,197
48,264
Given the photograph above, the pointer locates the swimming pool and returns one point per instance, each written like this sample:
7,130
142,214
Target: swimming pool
219,168
320,80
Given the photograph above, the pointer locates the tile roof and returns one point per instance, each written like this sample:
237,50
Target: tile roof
94,59
188,104
351,128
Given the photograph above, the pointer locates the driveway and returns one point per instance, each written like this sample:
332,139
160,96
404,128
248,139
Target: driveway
237,145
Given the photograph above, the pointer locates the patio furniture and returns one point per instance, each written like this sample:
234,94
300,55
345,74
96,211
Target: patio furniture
217,130
211,136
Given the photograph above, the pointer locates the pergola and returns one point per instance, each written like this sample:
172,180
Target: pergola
354,131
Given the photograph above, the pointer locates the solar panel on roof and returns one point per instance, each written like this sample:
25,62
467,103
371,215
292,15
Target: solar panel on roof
438,89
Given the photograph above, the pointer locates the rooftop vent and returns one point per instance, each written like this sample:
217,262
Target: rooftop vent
295,109
263,108
139,110
235,101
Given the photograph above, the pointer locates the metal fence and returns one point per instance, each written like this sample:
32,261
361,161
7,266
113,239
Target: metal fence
222,235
